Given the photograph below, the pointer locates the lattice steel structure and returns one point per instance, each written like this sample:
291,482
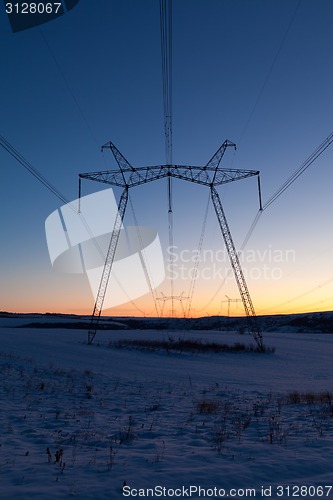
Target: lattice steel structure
210,175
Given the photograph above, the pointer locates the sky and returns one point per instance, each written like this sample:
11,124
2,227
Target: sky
258,73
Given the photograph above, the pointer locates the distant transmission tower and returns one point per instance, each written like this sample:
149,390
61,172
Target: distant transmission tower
165,299
229,300
211,175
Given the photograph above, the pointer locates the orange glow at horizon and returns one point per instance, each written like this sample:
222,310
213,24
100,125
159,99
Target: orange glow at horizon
70,294
144,307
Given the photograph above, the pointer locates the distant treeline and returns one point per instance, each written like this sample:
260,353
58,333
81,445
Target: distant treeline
319,322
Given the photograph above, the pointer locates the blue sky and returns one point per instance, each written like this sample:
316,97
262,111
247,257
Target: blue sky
94,75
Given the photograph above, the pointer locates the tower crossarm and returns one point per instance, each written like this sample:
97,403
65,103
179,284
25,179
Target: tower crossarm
141,175
238,272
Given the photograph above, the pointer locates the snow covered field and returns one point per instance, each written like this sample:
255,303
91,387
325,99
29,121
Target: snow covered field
83,421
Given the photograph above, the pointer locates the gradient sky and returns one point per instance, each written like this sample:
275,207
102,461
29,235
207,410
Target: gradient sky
94,75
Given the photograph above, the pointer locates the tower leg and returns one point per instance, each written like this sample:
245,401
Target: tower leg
107,267
236,266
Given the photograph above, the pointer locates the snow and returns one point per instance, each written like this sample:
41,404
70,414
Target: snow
111,416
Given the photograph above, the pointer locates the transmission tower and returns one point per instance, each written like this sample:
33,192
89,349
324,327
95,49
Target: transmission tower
165,299
229,300
211,175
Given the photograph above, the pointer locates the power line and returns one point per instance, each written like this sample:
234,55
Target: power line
143,258
270,71
320,149
38,175
307,292
197,262
308,162
305,165
258,215
166,56
69,88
